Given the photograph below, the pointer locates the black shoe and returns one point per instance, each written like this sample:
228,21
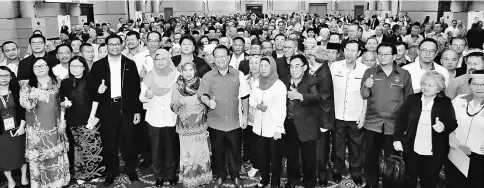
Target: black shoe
160,182
109,180
337,177
289,185
368,186
261,185
238,183
218,183
133,177
145,164
173,181
323,182
358,180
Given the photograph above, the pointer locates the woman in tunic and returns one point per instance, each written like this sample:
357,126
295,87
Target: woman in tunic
192,128
12,128
78,103
46,144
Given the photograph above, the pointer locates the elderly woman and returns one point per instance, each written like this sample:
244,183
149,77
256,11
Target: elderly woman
422,131
369,59
467,138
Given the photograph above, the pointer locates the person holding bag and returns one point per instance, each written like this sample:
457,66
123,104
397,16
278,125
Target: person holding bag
422,131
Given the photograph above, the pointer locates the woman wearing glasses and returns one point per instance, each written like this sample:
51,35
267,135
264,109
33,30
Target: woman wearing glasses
467,139
46,148
12,128
75,98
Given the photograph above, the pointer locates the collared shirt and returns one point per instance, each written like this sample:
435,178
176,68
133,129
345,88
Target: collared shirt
126,52
386,97
453,30
60,71
348,103
423,137
143,59
417,72
12,66
235,62
470,129
228,91
458,86
441,39
115,72
367,34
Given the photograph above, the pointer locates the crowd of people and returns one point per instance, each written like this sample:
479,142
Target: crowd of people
196,97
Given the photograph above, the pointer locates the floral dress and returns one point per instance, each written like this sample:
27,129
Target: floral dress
46,147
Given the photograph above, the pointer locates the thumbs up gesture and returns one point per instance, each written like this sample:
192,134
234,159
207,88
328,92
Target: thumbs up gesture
67,103
143,71
439,126
102,88
149,93
293,94
369,81
211,103
262,107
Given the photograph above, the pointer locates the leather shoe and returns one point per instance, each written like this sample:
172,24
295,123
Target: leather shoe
109,180
173,181
261,185
160,182
323,182
238,183
337,177
358,180
289,185
145,164
133,177
218,183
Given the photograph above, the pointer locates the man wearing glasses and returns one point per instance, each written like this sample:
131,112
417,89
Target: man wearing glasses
460,85
115,87
37,43
428,49
385,87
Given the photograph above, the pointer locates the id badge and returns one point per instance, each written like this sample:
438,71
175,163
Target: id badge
9,124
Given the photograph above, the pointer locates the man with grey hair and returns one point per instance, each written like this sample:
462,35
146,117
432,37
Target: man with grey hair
225,41
369,59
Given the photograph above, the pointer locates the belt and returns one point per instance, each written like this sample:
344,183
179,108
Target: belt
116,99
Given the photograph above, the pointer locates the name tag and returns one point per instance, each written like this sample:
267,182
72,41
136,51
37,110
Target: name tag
9,124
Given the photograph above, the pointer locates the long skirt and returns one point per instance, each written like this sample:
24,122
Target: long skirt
195,167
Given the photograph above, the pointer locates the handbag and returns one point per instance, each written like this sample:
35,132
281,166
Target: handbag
394,169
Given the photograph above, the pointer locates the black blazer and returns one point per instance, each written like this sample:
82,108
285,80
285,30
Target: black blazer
25,65
409,115
130,87
283,69
306,114
19,110
200,63
323,77
244,67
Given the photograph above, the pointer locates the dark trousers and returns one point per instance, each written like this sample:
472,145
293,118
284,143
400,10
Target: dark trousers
117,131
70,153
455,178
424,168
226,144
270,159
374,143
165,148
309,157
323,155
142,138
347,134
250,147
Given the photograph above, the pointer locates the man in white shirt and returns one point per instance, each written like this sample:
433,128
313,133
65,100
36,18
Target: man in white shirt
64,54
11,52
452,30
350,109
379,34
133,43
144,59
238,52
428,49
367,32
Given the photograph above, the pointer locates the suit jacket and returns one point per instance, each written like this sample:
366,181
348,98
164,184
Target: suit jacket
130,87
306,114
323,78
202,66
409,115
374,24
244,67
25,66
283,69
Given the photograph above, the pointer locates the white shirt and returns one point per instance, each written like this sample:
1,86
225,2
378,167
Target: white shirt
471,129
367,34
11,66
348,103
416,73
423,137
60,71
143,59
235,62
158,111
454,31
115,70
272,120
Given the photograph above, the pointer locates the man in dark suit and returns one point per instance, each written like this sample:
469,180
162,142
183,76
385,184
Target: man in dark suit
374,22
37,43
302,124
114,83
290,48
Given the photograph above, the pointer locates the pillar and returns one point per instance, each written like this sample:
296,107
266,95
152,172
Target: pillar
155,6
458,6
74,9
384,5
334,5
27,9
372,5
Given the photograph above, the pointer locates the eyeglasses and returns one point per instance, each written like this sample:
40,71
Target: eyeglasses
37,43
76,66
385,55
162,59
295,66
220,57
40,66
425,51
477,84
114,45
4,77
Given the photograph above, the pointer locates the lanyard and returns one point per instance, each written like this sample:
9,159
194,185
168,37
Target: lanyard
5,101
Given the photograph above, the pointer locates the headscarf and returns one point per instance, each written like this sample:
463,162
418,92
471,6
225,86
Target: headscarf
160,81
187,87
266,82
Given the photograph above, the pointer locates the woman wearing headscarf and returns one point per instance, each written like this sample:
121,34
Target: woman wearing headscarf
195,169
268,97
156,94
